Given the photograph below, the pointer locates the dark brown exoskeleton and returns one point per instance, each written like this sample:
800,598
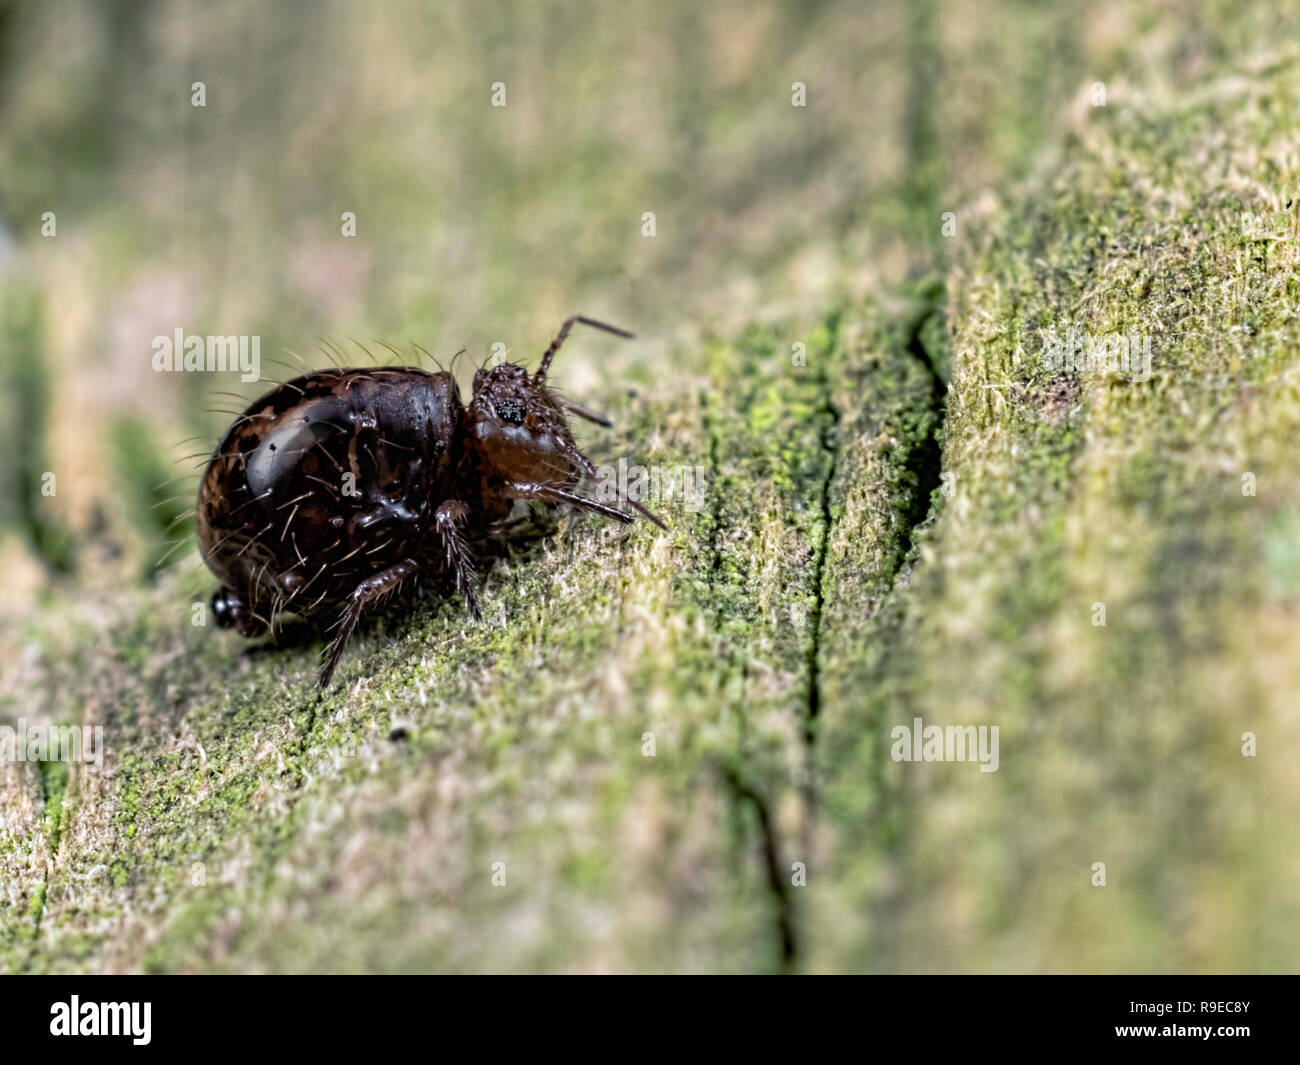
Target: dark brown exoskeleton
334,489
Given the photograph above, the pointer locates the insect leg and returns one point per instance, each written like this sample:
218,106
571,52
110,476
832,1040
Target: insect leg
569,323
447,518
590,415
372,588
586,465
549,494
646,513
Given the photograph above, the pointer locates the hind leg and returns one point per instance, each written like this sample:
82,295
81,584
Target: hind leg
372,588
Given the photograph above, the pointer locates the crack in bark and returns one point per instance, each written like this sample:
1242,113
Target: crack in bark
785,917
925,461
742,792
830,445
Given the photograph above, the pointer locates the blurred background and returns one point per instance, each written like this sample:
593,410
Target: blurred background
474,224
796,157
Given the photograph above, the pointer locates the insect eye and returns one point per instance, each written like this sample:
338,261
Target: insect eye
510,410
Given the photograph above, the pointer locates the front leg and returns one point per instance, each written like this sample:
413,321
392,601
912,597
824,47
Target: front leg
545,493
373,587
447,518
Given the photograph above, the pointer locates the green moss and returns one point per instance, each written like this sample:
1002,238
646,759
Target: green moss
833,584
1070,494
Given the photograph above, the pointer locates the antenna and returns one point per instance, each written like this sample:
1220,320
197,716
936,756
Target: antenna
564,332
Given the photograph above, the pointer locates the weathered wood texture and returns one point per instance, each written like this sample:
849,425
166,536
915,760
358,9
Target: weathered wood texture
919,522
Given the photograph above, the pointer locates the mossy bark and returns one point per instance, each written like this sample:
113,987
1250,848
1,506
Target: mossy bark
672,751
